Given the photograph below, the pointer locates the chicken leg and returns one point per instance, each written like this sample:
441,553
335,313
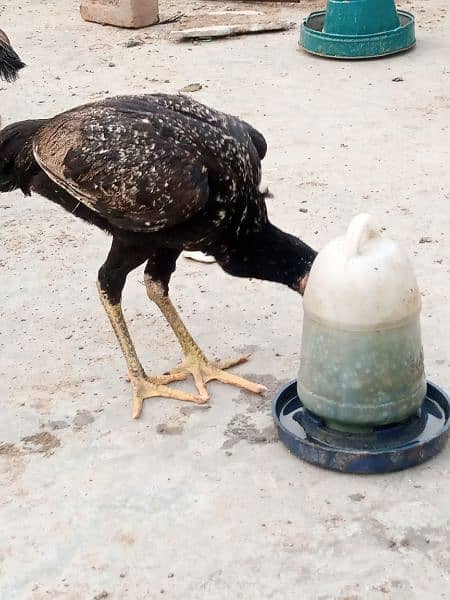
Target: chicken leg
111,280
143,385
195,361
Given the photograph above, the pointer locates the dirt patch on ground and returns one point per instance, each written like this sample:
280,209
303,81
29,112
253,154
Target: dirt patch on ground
165,429
44,442
260,404
9,450
82,418
241,427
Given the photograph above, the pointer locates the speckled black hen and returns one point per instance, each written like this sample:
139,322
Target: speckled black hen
161,174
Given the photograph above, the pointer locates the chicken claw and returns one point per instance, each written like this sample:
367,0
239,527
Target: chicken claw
145,387
204,371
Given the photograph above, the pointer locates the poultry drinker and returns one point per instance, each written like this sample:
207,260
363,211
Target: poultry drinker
362,402
355,29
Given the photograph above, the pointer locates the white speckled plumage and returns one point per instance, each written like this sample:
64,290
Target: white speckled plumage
150,162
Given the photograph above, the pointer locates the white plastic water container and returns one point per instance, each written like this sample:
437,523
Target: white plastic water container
361,359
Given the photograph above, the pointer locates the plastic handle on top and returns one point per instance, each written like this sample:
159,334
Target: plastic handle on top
361,229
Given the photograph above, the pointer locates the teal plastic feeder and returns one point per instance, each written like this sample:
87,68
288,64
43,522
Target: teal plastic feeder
358,29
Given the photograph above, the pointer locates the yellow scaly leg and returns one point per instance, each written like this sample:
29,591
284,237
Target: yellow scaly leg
195,361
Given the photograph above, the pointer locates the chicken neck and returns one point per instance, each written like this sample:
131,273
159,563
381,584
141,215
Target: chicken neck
270,254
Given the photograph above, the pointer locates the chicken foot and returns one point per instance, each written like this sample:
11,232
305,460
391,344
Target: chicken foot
195,362
143,385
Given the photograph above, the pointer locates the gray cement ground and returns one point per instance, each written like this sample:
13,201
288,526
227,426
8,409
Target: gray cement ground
194,503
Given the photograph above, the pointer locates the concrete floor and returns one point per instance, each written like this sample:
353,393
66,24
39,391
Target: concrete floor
189,502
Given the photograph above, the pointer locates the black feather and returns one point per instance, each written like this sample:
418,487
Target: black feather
162,174
10,63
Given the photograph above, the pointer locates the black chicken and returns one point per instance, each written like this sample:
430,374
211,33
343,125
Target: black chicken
161,174
10,63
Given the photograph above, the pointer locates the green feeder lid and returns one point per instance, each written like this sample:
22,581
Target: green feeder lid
358,29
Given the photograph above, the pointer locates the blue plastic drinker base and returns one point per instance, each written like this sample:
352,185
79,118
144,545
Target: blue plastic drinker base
381,450
315,40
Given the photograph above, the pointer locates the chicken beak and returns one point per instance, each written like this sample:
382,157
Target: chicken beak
303,283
